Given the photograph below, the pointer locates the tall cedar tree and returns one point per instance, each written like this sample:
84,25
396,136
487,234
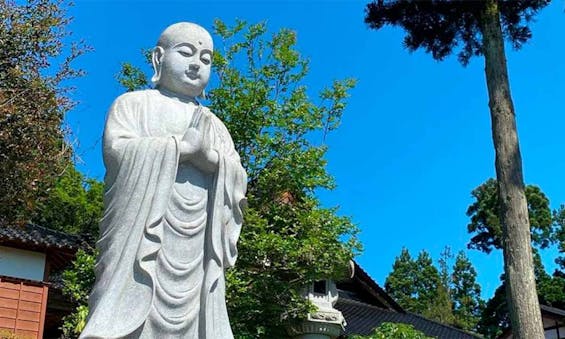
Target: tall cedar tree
495,318
433,297
400,284
288,240
485,217
481,27
465,293
417,286
33,151
559,236
545,230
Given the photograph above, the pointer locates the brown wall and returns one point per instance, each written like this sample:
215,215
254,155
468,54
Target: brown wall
22,307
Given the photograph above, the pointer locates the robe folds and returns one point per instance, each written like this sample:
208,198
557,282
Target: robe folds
169,230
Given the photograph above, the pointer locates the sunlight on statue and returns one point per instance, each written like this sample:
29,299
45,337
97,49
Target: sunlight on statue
175,189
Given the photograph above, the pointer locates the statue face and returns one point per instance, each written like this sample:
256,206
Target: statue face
185,65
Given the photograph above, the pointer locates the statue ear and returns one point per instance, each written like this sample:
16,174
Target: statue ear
156,57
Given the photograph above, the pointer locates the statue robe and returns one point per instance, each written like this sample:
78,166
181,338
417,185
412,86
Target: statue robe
169,230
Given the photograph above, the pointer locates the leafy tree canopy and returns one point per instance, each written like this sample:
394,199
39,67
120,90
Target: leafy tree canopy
481,28
550,289
400,283
559,236
394,331
442,26
77,282
417,286
465,293
288,240
485,217
449,295
495,318
33,102
73,206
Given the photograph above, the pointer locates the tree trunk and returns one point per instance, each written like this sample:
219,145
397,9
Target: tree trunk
521,293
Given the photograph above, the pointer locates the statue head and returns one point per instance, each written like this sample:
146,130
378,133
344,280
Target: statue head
182,59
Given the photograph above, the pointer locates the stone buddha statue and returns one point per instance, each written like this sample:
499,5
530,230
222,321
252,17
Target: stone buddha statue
175,189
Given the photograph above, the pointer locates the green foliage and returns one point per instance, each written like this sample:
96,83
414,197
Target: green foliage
8,334
546,229
32,103
551,292
449,296
559,236
74,205
485,221
550,288
495,318
77,283
133,78
440,307
400,283
428,289
394,331
465,293
417,286
288,239
480,28
439,27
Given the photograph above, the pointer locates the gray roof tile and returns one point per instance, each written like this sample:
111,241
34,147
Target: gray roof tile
362,318
40,238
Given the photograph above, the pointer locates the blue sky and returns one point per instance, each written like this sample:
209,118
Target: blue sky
415,138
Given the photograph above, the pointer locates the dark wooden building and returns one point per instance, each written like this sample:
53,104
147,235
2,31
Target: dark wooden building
31,259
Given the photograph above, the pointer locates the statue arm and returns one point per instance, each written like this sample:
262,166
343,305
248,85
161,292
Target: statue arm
120,128
125,130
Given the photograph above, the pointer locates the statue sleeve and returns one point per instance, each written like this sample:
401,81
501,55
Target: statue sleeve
140,172
234,182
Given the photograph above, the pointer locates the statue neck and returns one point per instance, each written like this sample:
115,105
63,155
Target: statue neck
176,96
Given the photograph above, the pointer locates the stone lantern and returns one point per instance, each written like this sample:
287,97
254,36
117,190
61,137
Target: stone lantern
326,322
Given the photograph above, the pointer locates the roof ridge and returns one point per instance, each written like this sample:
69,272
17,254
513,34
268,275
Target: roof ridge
353,301
380,291
50,230
41,237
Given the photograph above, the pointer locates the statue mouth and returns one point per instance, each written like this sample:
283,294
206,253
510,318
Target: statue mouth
192,75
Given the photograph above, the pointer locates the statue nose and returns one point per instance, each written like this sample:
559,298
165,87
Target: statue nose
194,67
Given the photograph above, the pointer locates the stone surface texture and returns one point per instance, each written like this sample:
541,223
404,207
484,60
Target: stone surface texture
175,189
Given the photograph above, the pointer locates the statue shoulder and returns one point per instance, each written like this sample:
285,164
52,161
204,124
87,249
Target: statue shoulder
135,97
216,121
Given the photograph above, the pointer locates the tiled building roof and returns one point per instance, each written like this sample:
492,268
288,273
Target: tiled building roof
362,318
39,238
553,311
59,247
365,306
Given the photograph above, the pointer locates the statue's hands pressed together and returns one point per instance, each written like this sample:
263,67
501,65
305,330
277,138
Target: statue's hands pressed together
195,145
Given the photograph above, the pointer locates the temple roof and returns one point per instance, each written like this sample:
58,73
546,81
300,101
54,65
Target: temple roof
362,318
365,306
38,238
59,247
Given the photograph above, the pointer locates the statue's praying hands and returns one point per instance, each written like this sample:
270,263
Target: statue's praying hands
196,144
